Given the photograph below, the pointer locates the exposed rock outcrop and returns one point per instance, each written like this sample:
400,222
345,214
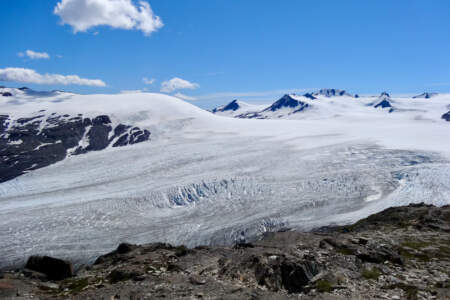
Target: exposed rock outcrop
425,95
331,93
40,140
399,253
446,116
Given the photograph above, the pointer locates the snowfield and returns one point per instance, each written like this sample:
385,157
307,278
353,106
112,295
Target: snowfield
204,178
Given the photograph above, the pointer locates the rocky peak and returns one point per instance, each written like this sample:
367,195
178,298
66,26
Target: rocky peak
384,101
383,104
384,95
309,96
331,93
446,116
425,95
285,101
232,106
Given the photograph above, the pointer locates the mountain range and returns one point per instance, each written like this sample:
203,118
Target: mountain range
334,103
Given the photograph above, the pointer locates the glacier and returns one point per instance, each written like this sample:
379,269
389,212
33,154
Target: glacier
202,178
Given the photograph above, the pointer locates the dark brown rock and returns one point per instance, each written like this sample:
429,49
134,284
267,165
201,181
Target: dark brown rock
54,268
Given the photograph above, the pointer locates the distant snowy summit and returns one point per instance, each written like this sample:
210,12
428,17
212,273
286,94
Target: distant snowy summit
384,101
426,95
286,105
232,106
332,93
236,108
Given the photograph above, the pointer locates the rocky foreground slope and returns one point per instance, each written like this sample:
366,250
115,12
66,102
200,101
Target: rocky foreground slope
400,253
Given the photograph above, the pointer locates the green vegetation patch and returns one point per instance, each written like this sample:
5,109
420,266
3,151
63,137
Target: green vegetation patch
324,286
118,275
77,286
181,250
373,273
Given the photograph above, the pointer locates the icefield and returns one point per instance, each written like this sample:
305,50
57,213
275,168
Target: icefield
203,178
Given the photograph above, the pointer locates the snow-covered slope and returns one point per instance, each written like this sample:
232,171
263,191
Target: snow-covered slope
203,178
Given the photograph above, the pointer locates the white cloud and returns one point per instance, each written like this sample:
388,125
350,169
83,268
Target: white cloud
177,84
185,97
34,55
148,81
124,14
31,76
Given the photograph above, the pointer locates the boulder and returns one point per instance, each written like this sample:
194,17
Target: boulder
53,268
285,273
380,255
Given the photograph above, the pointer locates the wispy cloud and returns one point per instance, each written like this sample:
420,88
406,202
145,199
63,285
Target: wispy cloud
148,81
185,97
31,76
177,84
34,55
124,14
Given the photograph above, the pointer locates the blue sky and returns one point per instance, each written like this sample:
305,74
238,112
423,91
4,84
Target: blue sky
252,50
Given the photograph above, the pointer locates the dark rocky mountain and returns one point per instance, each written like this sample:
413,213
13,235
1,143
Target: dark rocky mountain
426,95
399,253
383,104
331,93
233,106
288,102
384,101
41,140
446,116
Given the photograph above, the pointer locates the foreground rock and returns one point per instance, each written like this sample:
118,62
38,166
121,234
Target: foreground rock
53,268
400,253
